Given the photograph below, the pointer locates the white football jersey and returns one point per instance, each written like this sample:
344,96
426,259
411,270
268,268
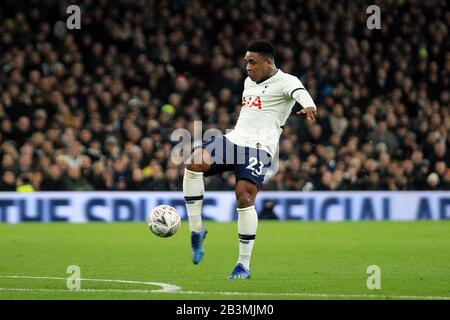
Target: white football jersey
265,109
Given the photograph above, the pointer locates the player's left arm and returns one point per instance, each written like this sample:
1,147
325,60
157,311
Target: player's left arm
297,91
309,109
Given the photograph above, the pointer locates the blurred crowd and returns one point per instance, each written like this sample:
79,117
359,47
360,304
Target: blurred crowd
93,109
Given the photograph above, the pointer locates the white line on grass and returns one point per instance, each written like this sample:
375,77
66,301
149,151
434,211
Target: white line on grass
169,288
165,286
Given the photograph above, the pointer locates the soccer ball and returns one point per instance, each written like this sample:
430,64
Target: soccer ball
164,221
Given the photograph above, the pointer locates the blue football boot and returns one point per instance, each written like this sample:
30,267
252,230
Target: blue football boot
240,272
197,245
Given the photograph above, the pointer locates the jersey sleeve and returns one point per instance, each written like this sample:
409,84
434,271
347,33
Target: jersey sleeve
292,84
295,90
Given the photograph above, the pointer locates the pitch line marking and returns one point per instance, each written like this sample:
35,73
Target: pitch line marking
170,288
165,287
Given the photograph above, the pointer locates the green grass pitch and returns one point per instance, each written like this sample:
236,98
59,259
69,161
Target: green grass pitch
291,260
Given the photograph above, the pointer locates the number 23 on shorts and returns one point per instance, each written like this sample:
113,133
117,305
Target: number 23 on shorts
255,171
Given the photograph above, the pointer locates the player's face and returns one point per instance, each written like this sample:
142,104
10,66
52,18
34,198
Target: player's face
257,65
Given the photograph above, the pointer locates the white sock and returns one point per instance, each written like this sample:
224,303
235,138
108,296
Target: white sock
193,189
247,225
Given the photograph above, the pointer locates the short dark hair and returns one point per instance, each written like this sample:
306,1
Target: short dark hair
263,47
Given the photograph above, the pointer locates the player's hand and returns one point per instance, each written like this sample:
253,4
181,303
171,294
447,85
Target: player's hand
310,113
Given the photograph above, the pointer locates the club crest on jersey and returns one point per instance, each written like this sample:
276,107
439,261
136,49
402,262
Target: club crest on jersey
251,102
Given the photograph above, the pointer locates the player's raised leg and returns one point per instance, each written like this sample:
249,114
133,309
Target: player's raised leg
247,224
193,189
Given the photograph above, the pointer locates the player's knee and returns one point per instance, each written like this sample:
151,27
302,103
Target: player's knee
244,200
197,167
198,162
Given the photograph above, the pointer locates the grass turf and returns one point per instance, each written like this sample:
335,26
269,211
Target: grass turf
289,257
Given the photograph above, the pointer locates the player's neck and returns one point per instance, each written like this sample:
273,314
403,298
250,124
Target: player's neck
271,74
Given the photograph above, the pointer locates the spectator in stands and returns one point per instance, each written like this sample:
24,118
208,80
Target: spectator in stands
75,181
24,184
8,182
54,180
